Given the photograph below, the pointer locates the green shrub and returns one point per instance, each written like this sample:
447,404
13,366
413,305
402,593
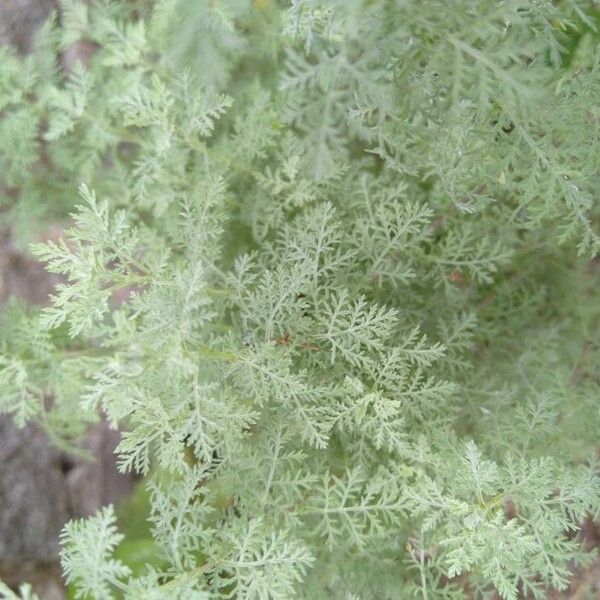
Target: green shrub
331,274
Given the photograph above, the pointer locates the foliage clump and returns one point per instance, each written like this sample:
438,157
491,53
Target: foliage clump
331,275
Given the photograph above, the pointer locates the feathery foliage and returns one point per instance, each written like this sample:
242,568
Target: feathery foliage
332,275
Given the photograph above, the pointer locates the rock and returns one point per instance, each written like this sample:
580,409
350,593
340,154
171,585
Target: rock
95,483
22,276
19,20
34,500
34,505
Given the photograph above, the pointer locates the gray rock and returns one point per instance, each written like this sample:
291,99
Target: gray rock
19,19
34,501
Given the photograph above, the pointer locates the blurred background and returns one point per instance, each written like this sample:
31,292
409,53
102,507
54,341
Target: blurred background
41,487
